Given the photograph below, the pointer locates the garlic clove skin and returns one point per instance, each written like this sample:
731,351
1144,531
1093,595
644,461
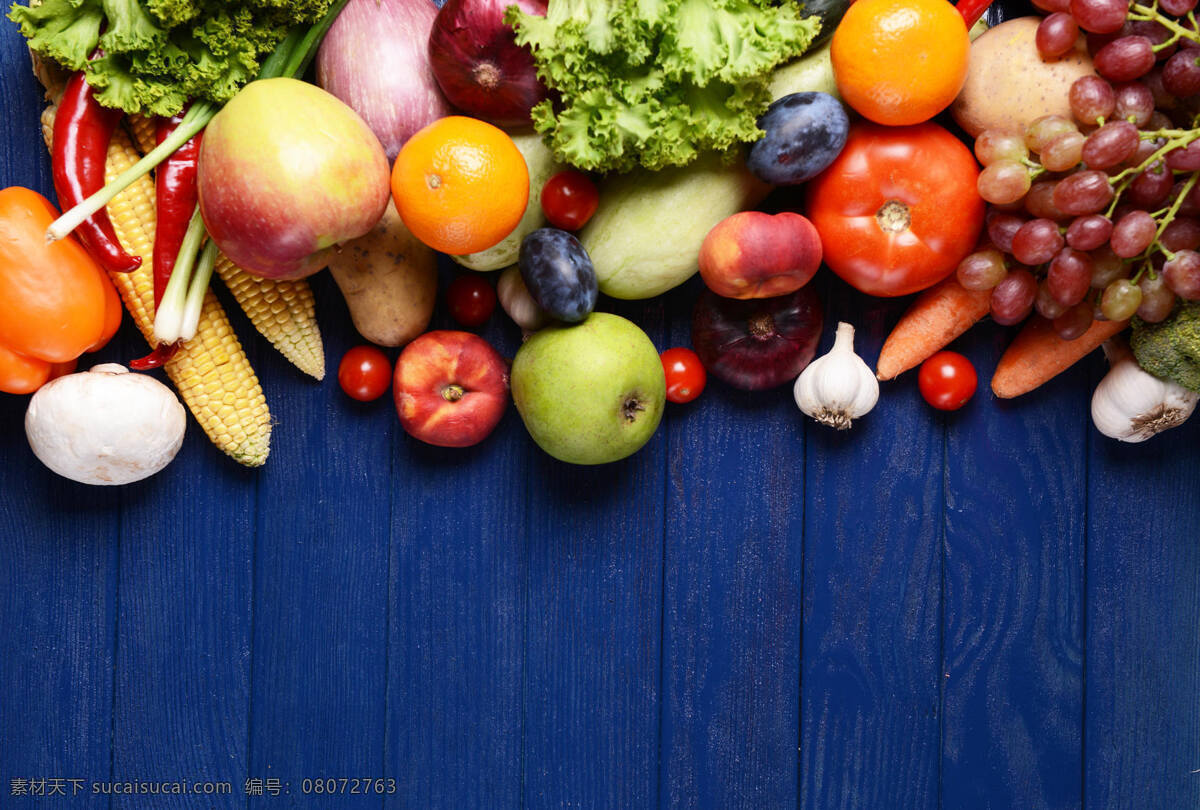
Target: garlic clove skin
518,303
1132,405
838,387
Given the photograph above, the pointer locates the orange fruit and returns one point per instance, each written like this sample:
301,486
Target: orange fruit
900,62
460,185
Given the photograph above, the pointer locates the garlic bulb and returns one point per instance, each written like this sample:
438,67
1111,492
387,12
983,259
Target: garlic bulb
1132,405
838,387
518,303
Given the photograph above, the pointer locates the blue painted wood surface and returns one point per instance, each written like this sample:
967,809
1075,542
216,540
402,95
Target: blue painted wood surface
991,608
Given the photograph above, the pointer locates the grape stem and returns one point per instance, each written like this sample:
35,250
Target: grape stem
1166,220
1176,138
1138,11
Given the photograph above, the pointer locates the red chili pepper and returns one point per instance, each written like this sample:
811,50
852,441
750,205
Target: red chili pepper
156,359
82,131
175,200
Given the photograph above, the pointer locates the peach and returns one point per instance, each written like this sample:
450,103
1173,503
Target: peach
757,255
451,388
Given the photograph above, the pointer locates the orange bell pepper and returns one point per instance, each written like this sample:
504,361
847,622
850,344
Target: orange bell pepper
55,301
20,374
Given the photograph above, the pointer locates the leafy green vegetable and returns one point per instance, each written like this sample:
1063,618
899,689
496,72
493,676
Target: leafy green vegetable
158,54
1171,349
656,82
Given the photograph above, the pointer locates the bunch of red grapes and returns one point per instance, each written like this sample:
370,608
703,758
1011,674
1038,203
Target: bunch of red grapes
1099,217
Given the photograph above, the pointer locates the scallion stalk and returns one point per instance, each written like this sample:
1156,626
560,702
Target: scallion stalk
168,318
196,118
196,290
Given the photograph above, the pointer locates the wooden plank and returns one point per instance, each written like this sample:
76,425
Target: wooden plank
456,629
58,553
1142,727
731,593
1014,577
58,563
869,725
181,699
593,645
320,583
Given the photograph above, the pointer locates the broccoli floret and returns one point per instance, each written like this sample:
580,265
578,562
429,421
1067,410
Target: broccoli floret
1171,349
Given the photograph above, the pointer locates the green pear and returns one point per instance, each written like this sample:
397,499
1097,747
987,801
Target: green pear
592,392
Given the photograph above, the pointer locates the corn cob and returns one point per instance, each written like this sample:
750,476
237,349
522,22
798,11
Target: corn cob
142,129
282,311
211,371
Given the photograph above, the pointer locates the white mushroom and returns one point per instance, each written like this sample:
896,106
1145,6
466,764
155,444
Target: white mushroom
105,426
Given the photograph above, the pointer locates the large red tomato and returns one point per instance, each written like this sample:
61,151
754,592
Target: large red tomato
898,210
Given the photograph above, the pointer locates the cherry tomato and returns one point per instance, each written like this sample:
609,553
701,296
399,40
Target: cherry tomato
470,299
364,373
947,380
569,199
899,208
685,374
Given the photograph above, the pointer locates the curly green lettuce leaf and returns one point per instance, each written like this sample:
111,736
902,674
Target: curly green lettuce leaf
734,39
129,27
159,54
656,83
171,13
66,31
117,84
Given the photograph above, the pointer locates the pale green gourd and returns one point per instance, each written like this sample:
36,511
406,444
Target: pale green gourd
542,166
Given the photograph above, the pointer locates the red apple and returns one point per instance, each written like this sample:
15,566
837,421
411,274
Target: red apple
287,171
451,388
757,255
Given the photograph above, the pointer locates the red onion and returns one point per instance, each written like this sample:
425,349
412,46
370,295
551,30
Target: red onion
478,63
375,59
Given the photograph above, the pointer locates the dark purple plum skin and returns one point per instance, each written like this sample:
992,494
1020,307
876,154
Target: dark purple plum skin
559,274
805,132
757,343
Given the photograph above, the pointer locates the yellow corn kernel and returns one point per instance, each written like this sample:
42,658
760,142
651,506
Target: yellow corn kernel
142,128
48,126
211,372
283,311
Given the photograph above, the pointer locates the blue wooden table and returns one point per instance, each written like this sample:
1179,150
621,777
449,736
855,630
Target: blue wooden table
996,608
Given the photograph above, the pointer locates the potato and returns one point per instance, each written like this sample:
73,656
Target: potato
389,280
1008,85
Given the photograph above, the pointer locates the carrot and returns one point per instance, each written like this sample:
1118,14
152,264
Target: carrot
1037,354
938,316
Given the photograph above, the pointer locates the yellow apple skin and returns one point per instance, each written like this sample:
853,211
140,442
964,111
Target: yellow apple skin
287,171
